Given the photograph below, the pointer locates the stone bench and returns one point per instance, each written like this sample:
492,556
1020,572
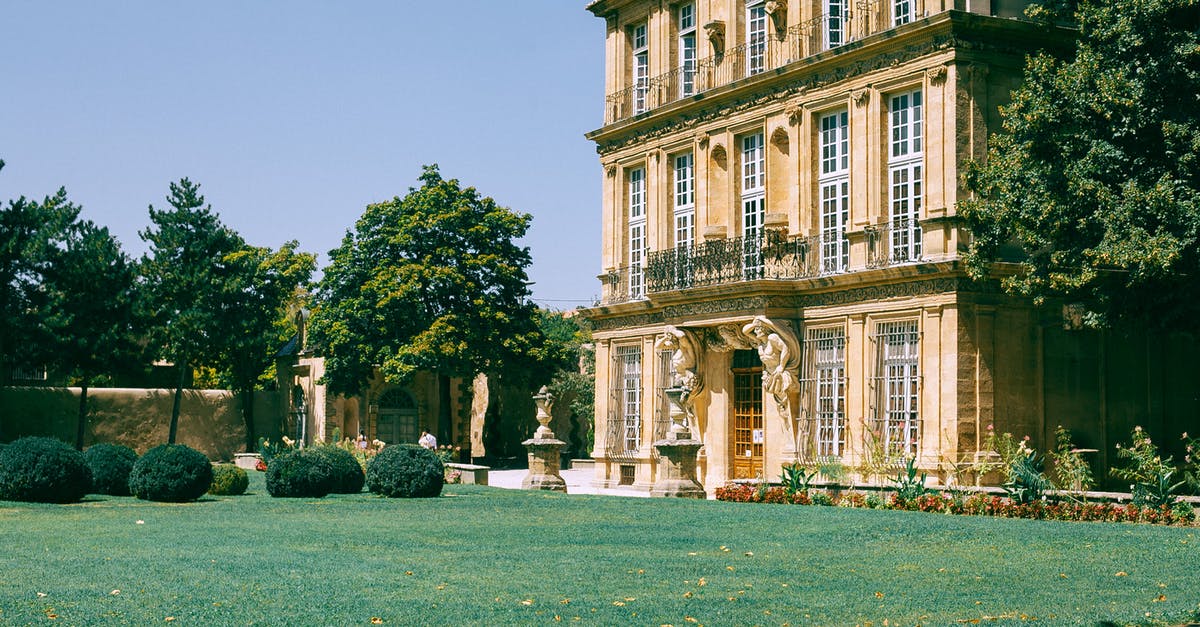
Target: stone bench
471,473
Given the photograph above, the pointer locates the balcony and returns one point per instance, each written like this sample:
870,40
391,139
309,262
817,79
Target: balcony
821,33
772,256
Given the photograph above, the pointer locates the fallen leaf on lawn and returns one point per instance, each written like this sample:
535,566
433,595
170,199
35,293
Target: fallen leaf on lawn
1062,575
619,603
565,602
693,553
878,595
687,595
630,599
52,616
169,619
375,620
1121,574
1160,598
702,582
690,619
728,568
527,602
141,522
557,618
41,594
441,586
725,549
641,571
115,592
749,554
408,572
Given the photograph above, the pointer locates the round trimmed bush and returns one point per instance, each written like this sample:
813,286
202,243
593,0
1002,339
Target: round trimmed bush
406,471
304,472
110,465
228,480
43,470
347,472
171,473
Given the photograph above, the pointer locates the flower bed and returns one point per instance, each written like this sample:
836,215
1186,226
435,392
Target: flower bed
976,504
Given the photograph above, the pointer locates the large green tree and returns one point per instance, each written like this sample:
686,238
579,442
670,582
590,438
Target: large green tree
434,281
30,232
1093,189
263,287
185,275
88,314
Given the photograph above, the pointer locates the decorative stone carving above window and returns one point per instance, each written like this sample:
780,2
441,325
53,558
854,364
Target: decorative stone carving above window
861,96
718,155
794,113
715,31
610,170
726,338
686,348
777,9
779,137
936,75
702,140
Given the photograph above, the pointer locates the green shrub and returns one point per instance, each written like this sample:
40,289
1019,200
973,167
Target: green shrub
110,465
228,480
171,473
304,472
406,471
347,472
43,470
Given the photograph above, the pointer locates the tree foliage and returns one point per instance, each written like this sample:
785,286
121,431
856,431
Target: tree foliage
30,232
88,321
184,277
1096,179
432,281
262,287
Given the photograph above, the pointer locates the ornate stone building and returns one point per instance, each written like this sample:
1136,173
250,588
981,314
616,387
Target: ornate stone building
779,237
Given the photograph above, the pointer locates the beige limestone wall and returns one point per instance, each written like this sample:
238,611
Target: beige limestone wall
210,420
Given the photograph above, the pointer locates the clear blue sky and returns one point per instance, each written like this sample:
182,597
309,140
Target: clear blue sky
294,115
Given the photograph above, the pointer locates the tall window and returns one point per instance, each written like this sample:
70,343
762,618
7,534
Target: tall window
834,184
628,379
905,176
756,37
902,12
825,352
641,69
753,203
685,201
896,400
835,23
637,232
687,49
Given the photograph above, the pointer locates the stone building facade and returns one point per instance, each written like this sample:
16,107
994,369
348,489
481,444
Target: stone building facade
779,238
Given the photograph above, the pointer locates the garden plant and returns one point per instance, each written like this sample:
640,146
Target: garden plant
43,470
110,465
406,471
228,480
172,473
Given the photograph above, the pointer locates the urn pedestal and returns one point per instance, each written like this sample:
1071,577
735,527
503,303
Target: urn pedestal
544,450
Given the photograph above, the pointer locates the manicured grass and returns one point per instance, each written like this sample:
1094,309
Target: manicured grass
485,556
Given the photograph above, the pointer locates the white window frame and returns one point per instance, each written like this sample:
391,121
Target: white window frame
835,23
833,183
640,38
629,374
756,37
897,397
685,200
825,349
638,248
905,179
754,203
902,11
686,24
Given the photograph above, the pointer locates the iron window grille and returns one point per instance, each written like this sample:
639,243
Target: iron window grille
896,394
625,413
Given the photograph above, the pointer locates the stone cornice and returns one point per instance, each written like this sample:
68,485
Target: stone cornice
948,31
790,298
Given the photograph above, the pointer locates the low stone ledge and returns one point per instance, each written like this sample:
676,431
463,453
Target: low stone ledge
471,473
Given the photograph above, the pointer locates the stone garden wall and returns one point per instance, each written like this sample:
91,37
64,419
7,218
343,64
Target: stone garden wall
210,420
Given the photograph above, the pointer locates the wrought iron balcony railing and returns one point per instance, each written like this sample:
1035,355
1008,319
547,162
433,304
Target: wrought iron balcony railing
732,260
821,33
893,243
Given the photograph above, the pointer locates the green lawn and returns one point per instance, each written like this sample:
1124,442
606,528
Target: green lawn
485,556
